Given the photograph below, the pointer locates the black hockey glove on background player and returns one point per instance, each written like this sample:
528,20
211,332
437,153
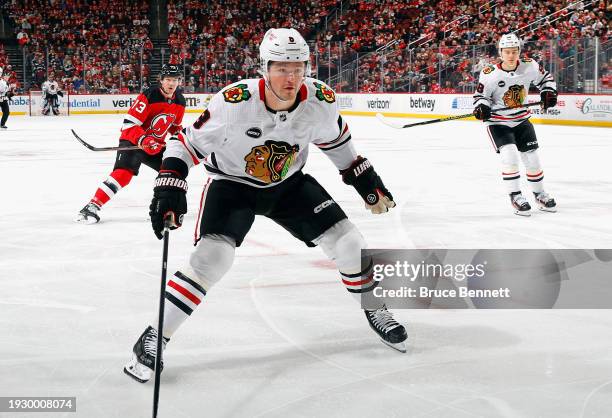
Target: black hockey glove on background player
169,201
363,178
549,99
482,112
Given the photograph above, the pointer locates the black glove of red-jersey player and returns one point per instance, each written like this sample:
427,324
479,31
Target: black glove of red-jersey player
363,178
169,201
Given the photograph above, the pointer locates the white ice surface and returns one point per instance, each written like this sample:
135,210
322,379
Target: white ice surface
279,336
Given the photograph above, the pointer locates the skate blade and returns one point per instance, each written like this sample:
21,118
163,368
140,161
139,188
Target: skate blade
401,347
85,220
137,371
545,209
525,213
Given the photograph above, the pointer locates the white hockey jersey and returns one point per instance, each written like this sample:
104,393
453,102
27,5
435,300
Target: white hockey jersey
50,87
238,138
499,88
4,89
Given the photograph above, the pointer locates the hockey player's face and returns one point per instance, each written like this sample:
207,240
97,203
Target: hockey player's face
286,78
169,85
510,55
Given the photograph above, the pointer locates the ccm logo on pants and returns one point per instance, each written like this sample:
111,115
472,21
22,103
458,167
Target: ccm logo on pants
323,205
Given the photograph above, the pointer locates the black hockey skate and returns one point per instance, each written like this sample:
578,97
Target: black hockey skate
89,214
545,202
520,204
3,127
142,364
388,329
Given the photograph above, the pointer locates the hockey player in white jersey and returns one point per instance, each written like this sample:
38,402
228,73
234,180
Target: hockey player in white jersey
253,141
512,134
50,93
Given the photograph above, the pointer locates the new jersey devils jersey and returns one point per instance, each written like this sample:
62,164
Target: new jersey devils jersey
153,114
239,138
499,88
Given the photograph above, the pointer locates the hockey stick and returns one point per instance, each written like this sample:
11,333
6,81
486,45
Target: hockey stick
91,147
387,122
160,321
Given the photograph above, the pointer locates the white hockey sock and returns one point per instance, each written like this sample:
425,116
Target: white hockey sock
510,168
535,174
183,295
342,243
209,262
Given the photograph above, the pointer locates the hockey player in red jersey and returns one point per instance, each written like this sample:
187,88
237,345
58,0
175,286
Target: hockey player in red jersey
253,140
156,112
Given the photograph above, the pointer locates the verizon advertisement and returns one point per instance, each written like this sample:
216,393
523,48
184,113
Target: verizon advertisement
585,110
103,103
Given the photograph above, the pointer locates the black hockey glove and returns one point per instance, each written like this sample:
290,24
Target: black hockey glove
482,112
549,99
60,93
169,201
363,178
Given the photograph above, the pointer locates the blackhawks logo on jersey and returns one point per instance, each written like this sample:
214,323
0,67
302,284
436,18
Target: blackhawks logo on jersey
270,162
488,69
324,93
237,93
515,96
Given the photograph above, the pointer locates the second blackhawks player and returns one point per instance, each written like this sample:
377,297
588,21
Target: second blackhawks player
253,141
512,134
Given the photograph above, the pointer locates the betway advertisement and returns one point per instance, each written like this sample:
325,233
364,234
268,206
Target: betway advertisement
584,110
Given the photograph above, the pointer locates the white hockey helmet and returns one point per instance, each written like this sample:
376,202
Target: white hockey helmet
508,40
283,45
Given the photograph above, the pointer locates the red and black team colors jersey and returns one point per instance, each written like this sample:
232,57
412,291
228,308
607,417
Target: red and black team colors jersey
152,114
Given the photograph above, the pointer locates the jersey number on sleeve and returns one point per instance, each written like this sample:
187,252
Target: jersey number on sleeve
139,106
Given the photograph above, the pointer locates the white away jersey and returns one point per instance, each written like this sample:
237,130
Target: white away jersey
498,88
50,87
4,89
238,138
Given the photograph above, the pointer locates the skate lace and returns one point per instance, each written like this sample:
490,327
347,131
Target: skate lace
383,320
150,343
519,199
543,197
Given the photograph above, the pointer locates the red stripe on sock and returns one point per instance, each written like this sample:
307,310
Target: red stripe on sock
184,292
358,283
535,175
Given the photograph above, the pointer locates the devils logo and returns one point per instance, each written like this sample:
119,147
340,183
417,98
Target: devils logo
270,162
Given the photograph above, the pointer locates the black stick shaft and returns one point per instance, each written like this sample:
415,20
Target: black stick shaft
91,147
467,115
160,322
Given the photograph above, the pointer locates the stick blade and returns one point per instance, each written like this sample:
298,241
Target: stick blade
386,121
